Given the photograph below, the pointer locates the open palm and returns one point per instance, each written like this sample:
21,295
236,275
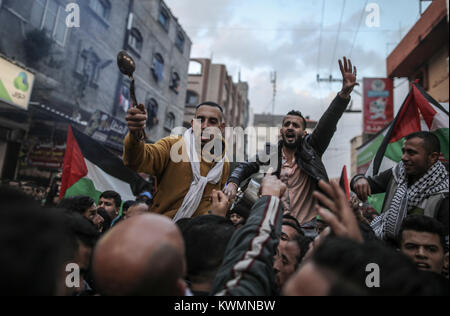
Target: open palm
348,72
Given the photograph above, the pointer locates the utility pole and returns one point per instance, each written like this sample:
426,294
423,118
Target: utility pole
273,81
331,79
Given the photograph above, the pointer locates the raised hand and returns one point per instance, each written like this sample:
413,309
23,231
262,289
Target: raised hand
348,72
271,185
136,119
340,216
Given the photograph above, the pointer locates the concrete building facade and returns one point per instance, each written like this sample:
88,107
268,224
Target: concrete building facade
77,80
211,82
423,53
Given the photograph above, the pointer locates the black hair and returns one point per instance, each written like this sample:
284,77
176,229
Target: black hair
81,229
206,238
107,220
430,141
126,205
297,113
303,244
112,195
297,228
344,262
15,197
424,224
34,248
77,204
213,104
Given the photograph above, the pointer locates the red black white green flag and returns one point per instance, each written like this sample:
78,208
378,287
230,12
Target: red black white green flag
90,169
419,112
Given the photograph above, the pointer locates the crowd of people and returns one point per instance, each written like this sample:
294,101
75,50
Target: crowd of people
195,236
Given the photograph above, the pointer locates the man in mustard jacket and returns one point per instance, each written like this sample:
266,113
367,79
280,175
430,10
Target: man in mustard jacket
186,178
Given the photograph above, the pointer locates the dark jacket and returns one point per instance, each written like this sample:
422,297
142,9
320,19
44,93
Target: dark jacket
435,206
247,268
309,153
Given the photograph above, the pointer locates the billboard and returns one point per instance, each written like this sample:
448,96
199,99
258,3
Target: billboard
16,84
378,104
107,130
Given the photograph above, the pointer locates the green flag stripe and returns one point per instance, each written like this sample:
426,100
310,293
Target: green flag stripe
84,186
443,135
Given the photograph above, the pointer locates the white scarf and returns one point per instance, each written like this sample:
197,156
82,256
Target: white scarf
194,196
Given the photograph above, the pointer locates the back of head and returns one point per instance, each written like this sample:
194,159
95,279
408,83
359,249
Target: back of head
12,197
34,248
77,204
81,228
142,256
345,262
206,238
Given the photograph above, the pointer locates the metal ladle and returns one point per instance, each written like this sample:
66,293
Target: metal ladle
127,66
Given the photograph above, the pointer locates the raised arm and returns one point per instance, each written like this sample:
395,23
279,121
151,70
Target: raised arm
137,155
325,129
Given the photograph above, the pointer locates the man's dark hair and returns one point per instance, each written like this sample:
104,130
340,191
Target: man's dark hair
430,141
126,205
303,244
345,261
213,104
34,247
112,195
423,224
107,220
297,228
13,196
297,113
206,238
77,204
81,229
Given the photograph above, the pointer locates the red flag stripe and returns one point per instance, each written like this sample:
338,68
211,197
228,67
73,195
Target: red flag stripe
408,120
427,111
74,166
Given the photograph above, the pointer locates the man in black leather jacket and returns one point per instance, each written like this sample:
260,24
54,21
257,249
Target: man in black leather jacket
299,155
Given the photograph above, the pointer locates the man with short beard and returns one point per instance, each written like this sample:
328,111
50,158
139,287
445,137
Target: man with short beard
299,155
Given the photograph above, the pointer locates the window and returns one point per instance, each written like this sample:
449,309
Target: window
164,18
152,110
89,66
179,42
49,16
170,121
195,68
135,40
191,98
101,8
158,67
175,82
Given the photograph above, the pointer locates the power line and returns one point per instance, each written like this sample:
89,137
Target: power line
337,37
320,35
359,26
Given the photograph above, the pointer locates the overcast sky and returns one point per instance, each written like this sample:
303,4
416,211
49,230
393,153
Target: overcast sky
298,39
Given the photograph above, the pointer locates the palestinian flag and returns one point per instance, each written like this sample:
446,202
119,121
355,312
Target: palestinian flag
419,112
344,184
90,169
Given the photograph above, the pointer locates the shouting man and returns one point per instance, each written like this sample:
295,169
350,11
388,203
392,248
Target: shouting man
299,155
